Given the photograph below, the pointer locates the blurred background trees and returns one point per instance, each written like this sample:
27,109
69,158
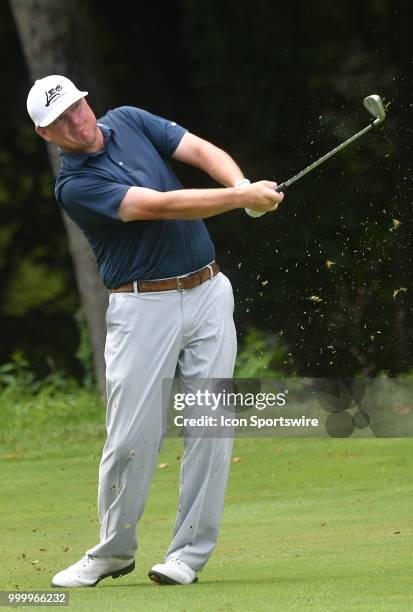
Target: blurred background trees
60,38
328,277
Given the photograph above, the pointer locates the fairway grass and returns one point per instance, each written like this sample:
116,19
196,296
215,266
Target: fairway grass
309,524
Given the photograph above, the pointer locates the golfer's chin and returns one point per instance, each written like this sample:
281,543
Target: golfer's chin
85,141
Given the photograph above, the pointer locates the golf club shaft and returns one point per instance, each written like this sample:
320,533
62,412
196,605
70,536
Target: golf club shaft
295,178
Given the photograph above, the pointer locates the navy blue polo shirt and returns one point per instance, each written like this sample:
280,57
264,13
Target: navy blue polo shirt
91,186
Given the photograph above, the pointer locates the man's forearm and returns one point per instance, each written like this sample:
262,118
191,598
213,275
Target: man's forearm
147,204
144,204
210,159
220,166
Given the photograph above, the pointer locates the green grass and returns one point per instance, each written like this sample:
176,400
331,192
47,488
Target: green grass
308,524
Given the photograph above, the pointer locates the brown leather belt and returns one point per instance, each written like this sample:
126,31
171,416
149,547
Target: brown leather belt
178,283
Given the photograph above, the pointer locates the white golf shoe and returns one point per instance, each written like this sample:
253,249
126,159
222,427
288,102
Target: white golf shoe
90,570
172,571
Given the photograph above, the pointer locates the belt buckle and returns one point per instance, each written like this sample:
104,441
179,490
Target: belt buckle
211,271
178,283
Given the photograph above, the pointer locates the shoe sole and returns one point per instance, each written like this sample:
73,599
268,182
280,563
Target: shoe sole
121,572
164,580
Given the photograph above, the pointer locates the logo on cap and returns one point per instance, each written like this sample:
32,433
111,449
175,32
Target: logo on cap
53,93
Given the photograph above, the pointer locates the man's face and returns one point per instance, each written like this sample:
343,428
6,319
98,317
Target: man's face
74,130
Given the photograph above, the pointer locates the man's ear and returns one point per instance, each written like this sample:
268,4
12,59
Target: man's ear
41,131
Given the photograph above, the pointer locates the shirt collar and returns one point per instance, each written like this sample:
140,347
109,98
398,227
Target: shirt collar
77,160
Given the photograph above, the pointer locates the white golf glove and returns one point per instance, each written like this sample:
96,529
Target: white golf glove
252,213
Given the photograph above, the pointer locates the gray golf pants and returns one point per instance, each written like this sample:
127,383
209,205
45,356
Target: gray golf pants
150,336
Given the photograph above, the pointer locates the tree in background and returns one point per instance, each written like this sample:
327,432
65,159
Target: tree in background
57,38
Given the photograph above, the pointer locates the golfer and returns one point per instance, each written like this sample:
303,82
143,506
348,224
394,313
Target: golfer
170,310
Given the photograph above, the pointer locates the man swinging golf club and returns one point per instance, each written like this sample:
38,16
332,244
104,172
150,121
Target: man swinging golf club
170,309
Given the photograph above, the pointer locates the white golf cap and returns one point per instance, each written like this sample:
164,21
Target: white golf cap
50,97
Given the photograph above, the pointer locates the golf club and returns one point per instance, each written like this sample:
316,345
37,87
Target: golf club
375,106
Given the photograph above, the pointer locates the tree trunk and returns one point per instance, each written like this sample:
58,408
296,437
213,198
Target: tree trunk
57,38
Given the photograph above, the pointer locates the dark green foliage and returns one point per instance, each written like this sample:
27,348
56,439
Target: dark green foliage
277,85
261,356
36,278
331,269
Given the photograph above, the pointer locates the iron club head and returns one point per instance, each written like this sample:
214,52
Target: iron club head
375,106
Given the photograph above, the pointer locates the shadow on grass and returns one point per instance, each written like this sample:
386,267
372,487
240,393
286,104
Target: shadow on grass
199,585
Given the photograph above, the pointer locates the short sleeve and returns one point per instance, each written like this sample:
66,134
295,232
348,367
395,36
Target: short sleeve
164,134
91,200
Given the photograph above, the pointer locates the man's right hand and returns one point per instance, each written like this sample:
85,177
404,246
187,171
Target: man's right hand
260,197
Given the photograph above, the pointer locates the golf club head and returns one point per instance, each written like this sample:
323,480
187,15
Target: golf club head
375,106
